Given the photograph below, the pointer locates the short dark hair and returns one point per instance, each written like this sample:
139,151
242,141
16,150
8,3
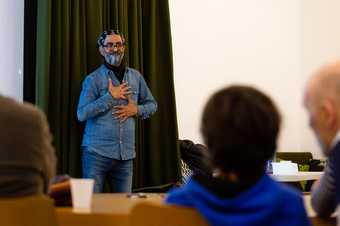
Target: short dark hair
102,36
240,126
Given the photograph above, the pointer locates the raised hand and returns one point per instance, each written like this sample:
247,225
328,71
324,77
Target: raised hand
119,92
125,111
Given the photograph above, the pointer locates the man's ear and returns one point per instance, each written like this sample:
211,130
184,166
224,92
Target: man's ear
329,113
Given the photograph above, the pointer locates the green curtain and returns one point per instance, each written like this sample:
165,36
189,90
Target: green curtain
66,52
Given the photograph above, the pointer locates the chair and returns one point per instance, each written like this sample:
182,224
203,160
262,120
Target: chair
157,214
301,158
27,211
305,162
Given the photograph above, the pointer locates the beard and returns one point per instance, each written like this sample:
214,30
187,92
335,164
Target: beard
114,59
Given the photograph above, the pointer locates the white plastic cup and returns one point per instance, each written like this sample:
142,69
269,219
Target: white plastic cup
81,191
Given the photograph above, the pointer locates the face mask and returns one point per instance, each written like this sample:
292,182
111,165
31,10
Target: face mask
114,59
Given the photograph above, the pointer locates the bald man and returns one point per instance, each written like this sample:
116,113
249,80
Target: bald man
322,101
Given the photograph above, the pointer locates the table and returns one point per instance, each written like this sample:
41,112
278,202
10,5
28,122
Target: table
300,176
107,210
114,210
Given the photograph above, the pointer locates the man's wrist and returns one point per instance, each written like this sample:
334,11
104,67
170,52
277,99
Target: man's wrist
113,95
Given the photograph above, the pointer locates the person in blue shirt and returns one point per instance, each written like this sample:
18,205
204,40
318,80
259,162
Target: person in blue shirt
110,100
240,126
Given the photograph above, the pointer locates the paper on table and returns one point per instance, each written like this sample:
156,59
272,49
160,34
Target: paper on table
284,168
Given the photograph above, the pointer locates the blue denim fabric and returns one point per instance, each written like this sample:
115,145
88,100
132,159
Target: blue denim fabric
118,172
104,134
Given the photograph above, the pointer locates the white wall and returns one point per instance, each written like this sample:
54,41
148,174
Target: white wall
11,46
253,42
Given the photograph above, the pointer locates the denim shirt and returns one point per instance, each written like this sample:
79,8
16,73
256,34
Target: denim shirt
104,134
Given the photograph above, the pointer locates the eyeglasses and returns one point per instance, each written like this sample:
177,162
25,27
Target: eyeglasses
117,45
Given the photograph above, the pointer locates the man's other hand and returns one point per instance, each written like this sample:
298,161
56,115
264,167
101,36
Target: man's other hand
125,111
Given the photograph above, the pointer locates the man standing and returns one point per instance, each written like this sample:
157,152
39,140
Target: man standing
111,98
322,101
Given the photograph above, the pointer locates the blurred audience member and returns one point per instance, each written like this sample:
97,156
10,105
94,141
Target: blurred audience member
240,126
194,157
322,101
27,158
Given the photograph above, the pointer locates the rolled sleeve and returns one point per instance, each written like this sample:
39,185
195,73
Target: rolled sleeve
147,104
